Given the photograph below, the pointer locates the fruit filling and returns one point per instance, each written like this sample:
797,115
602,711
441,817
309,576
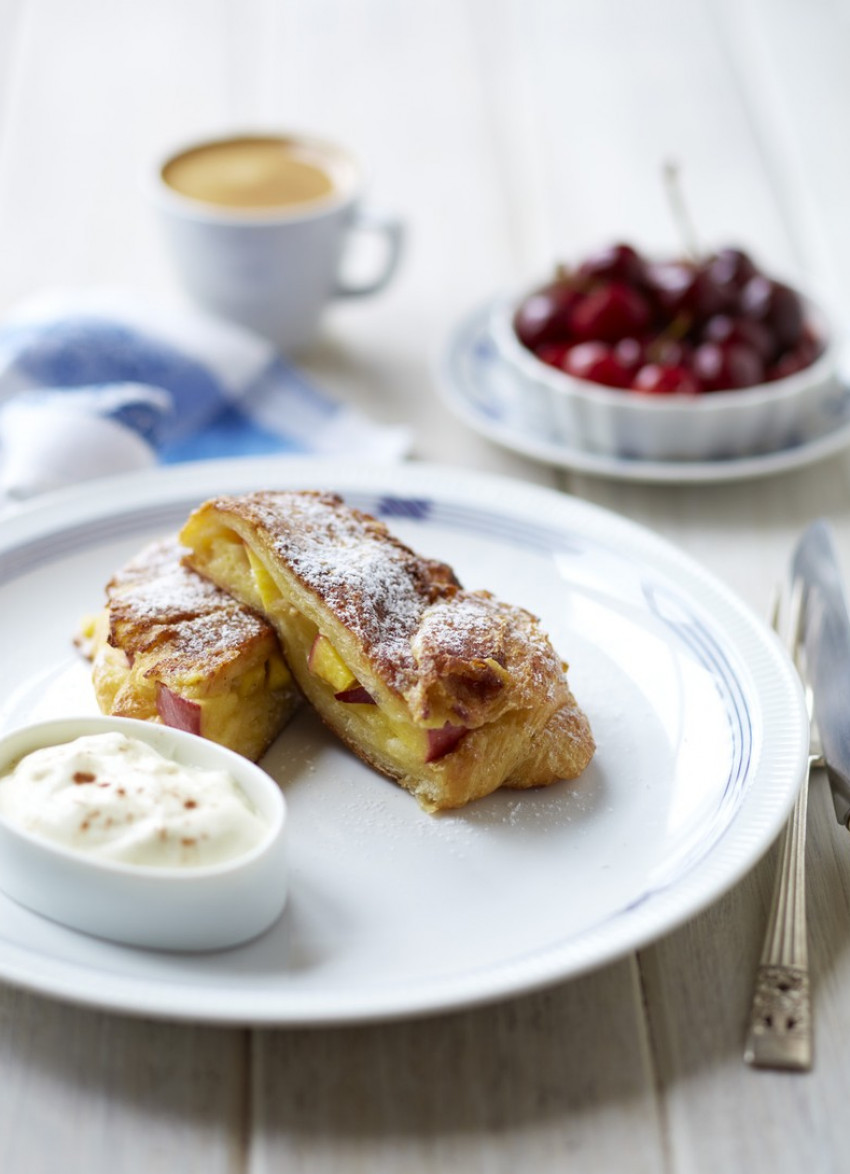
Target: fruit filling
429,745
325,662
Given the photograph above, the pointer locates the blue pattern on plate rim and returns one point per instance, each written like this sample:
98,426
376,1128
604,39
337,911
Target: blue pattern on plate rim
692,634
417,508
668,607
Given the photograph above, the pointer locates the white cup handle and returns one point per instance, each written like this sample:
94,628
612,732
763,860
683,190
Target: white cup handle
393,233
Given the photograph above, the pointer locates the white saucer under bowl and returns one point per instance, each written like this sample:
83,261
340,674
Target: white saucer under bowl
484,392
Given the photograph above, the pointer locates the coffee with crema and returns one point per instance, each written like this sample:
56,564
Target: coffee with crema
259,224
252,172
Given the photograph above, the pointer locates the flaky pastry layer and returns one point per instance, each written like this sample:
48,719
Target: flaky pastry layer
453,693
170,646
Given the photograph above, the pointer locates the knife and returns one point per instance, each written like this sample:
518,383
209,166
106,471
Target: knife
826,643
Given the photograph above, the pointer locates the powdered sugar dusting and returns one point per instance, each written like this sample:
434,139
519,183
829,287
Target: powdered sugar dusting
377,587
413,620
155,600
474,628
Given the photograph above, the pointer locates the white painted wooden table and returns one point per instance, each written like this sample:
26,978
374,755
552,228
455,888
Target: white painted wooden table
508,133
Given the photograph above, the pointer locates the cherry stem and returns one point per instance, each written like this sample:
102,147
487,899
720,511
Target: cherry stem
679,208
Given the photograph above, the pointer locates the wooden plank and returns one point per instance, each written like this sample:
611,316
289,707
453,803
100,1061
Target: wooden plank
557,1081
85,92
527,1083
790,65
723,1115
506,134
594,99
103,1094
402,88
15,28
734,142
100,88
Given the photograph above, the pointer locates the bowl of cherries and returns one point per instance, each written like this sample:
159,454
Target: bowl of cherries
679,359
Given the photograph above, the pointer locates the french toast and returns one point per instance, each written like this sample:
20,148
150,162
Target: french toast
452,693
169,646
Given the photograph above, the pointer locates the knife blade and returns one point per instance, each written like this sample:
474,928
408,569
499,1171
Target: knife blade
826,644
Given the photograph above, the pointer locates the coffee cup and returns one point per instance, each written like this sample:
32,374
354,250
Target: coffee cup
258,226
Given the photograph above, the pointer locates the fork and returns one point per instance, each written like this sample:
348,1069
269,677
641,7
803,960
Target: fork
780,1026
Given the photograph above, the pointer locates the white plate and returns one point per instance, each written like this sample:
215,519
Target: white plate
481,390
699,719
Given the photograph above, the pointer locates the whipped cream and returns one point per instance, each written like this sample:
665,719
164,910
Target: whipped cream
114,797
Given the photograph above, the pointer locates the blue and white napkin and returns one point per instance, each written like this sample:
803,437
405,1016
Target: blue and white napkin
98,382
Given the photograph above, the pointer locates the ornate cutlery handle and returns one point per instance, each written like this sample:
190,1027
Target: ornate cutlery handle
780,1029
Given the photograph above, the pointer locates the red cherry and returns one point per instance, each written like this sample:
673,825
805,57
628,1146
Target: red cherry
668,281
630,353
683,288
623,321
731,268
723,328
610,312
705,297
544,316
777,306
596,361
552,353
669,352
618,262
654,379
790,364
722,366
798,359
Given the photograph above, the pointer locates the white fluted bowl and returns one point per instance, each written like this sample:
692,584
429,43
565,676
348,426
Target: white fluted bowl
713,426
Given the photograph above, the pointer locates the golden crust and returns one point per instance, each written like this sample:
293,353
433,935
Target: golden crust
433,658
477,658
165,628
160,608
350,565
